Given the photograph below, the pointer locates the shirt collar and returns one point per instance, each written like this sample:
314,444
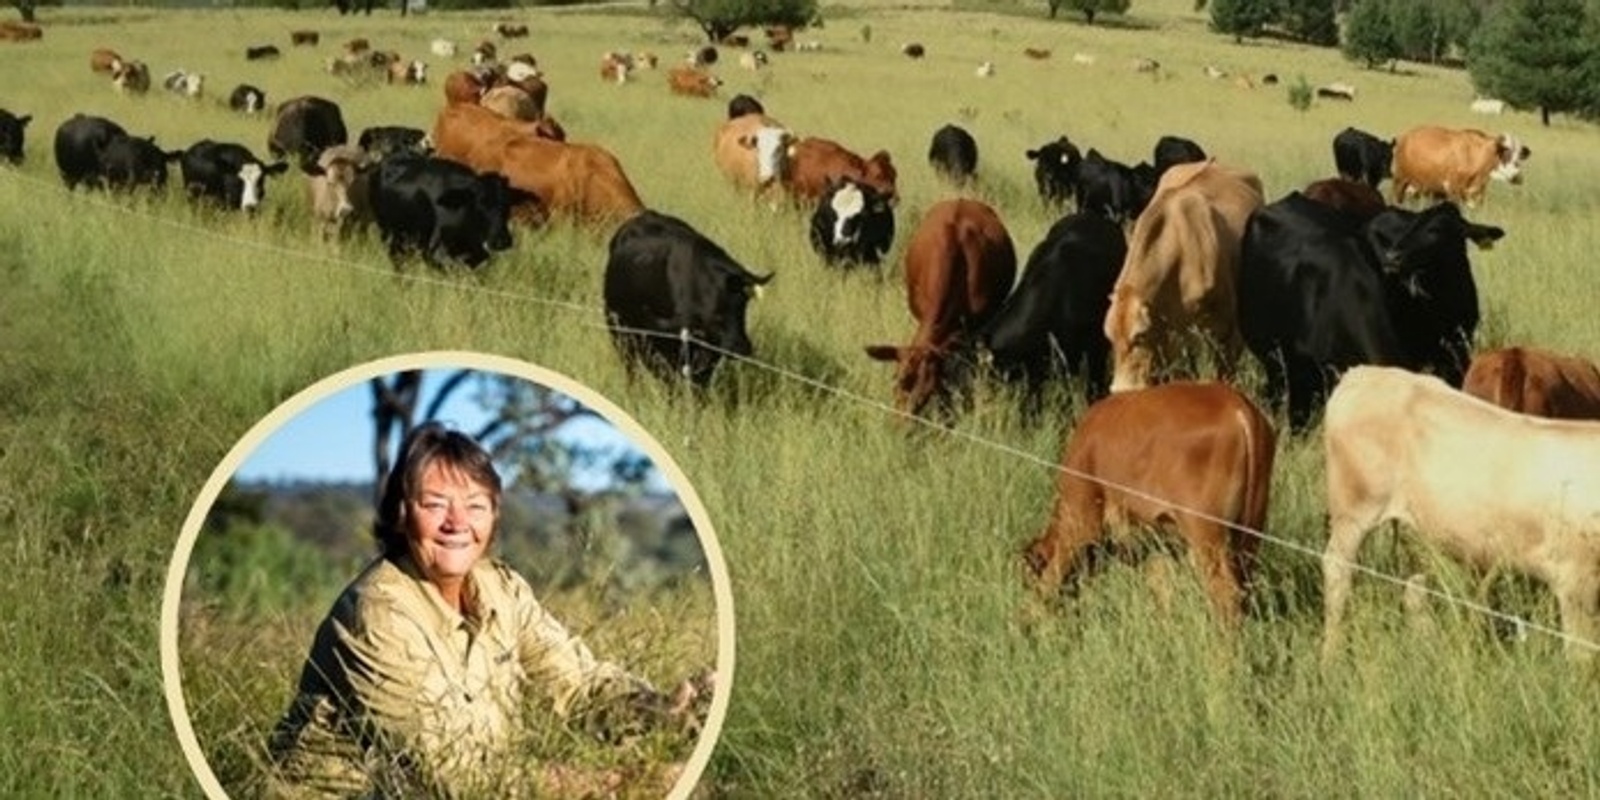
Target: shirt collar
480,608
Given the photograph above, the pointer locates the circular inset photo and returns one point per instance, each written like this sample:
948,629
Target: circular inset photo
447,575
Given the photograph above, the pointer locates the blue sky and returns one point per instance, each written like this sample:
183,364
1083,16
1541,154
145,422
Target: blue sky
333,439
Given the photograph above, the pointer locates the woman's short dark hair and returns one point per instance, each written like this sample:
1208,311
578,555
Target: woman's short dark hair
428,444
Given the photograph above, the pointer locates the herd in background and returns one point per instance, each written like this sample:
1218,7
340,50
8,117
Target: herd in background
1160,268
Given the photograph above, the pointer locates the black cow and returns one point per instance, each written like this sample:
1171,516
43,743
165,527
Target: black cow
441,209
1113,189
1321,291
953,154
853,224
1173,150
1055,170
1053,322
1360,156
304,127
384,140
247,99
743,104
227,174
78,145
261,52
11,132
668,289
129,162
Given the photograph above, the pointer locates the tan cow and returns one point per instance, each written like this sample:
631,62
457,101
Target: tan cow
337,192
1197,458
1538,382
1492,487
1181,273
1454,164
752,150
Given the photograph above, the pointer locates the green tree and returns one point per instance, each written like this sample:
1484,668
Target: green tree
1089,8
1311,21
1242,18
29,9
1369,35
718,18
1534,53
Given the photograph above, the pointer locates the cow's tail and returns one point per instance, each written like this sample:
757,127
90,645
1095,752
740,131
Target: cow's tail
1260,450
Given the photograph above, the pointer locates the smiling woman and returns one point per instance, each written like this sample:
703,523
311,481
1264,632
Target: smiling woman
463,658
416,677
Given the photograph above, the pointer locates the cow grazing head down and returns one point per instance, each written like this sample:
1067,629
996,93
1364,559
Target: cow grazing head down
228,174
675,300
12,128
854,224
1055,169
129,162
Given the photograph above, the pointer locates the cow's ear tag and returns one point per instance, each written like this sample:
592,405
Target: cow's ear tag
757,290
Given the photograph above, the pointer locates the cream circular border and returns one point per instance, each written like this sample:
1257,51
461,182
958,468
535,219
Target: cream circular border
321,390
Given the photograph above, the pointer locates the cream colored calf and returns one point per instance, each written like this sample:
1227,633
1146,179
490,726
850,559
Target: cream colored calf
1489,486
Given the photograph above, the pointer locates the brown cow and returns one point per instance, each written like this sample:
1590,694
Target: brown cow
407,73
105,60
692,82
1181,271
309,38
1194,459
1454,164
583,182
357,46
614,67
1538,382
752,150
780,38
13,31
508,30
1036,53
464,86
1352,197
815,163
959,267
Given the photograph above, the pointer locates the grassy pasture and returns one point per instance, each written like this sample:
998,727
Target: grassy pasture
887,647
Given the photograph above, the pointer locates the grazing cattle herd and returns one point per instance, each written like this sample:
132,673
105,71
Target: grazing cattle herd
1159,274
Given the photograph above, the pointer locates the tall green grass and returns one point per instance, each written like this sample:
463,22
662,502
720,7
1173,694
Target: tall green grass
887,644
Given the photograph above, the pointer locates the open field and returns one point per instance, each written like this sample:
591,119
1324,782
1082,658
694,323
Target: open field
886,644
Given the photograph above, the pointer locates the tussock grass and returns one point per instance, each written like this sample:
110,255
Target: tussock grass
887,646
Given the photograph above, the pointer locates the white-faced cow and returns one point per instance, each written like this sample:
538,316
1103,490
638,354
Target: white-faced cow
226,174
1454,164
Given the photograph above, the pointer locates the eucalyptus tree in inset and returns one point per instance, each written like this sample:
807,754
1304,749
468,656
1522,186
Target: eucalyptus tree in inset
1536,54
1089,8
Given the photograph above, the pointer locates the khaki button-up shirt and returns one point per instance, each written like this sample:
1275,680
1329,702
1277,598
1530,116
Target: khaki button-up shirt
400,683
